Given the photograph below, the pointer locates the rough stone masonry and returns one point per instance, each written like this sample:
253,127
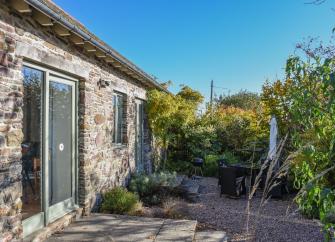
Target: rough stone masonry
102,165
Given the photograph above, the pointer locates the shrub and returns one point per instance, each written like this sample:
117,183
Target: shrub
175,208
119,201
179,166
329,222
243,99
211,166
152,188
304,105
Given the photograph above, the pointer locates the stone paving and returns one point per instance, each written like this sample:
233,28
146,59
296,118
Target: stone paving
103,227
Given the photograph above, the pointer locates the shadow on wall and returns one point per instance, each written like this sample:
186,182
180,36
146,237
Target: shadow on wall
101,183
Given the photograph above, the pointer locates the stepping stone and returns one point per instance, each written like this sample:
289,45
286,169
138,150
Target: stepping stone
177,230
210,236
179,180
190,186
190,189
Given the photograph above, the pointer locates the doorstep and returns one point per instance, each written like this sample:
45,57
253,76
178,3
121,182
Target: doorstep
54,227
119,228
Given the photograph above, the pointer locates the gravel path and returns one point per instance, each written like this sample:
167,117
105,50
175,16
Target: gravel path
272,223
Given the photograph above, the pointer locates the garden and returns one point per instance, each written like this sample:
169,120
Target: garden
235,129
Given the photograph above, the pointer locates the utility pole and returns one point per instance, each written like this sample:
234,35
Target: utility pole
212,91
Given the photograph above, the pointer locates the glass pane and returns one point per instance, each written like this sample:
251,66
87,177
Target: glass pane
115,117
139,136
60,142
31,155
120,118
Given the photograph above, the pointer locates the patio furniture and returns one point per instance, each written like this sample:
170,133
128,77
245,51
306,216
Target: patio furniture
247,170
197,166
277,191
232,182
36,169
221,163
27,168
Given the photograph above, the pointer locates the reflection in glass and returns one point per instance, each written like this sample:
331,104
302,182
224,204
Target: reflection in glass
118,100
139,136
31,158
60,142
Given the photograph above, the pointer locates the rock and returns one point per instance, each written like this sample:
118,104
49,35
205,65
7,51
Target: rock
190,189
99,119
99,139
14,138
4,128
2,141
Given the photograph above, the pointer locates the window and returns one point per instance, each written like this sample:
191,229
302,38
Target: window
119,118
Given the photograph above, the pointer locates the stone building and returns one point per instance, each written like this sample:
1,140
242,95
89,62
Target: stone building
72,118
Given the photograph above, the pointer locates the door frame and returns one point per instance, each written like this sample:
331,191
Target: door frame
49,214
139,117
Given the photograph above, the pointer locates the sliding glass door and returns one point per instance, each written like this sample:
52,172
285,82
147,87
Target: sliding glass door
57,147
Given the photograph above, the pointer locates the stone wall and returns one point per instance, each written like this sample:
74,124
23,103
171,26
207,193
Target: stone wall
102,165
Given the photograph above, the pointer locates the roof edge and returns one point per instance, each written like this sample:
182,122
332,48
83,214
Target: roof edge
89,37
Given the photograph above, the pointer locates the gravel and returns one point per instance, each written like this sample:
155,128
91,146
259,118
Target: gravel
276,221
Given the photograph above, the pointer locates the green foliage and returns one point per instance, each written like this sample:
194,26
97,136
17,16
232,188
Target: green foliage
184,134
305,108
119,201
210,168
152,188
195,140
243,99
230,158
170,115
190,95
179,166
238,131
329,222
302,174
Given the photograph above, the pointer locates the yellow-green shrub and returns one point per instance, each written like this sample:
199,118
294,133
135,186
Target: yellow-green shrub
119,201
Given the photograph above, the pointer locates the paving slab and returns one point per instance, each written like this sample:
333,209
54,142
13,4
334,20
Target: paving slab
177,230
102,227
210,236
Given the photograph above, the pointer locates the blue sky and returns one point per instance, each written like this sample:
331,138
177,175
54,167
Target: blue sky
237,43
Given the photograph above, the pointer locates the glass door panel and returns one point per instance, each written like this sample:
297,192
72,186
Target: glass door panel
49,147
61,148
32,215
60,142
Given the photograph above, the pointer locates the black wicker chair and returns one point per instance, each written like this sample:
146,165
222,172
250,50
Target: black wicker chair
232,184
221,163
277,191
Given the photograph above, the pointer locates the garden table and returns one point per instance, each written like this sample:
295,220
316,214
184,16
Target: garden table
247,170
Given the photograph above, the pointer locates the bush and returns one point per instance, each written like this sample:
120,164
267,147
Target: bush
119,201
179,166
304,106
175,208
329,222
243,99
154,187
211,165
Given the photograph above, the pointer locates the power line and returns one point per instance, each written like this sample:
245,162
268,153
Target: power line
220,87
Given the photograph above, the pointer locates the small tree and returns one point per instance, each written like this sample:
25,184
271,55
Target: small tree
170,114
